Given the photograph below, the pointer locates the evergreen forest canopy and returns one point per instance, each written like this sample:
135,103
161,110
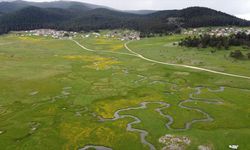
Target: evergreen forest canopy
76,16
204,41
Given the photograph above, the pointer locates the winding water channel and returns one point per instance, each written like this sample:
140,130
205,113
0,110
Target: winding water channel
164,105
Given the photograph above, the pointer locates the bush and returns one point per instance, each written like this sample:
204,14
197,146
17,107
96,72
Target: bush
65,35
219,42
236,54
248,55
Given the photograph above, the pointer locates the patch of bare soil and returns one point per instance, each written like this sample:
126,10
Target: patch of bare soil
174,142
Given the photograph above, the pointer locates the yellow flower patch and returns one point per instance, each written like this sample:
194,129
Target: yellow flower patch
116,47
29,39
106,109
98,62
109,44
76,132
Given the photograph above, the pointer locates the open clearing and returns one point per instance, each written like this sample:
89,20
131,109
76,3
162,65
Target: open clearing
93,93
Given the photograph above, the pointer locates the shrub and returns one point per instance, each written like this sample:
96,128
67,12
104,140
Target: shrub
236,54
219,42
248,55
65,35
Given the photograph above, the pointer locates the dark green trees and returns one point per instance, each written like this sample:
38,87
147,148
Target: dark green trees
248,56
72,19
237,54
218,42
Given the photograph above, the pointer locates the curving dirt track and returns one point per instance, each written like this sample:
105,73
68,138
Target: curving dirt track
133,53
184,66
102,51
95,147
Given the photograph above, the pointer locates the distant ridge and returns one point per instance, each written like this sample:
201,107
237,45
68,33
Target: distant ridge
77,16
141,12
8,7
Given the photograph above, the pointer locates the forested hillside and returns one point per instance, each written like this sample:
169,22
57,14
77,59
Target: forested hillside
76,16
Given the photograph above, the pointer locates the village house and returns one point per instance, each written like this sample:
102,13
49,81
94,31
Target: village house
216,31
49,33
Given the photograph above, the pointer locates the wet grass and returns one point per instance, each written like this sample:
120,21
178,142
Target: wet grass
52,92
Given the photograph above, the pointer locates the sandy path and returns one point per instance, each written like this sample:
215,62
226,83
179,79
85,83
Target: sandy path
8,43
133,53
95,147
100,51
184,66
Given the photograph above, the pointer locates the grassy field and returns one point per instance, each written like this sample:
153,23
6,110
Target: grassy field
162,49
53,94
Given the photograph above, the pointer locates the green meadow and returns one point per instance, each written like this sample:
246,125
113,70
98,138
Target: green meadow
56,95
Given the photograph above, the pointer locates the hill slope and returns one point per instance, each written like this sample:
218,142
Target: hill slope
8,7
78,16
200,17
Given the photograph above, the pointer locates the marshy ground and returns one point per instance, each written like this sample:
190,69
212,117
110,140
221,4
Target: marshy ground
56,95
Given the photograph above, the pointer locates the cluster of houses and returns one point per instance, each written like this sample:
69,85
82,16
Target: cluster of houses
49,33
220,31
94,34
131,35
124,35
118,34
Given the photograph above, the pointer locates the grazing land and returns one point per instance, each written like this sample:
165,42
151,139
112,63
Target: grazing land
99,92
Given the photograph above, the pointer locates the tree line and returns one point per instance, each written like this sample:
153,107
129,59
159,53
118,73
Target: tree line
159,23
219,42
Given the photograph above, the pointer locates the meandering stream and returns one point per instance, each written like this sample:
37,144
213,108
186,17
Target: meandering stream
143,105
164,105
